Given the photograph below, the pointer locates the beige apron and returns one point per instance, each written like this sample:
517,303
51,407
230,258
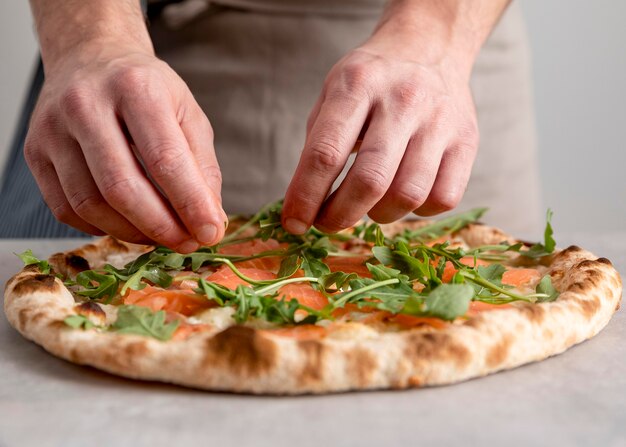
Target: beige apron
257,66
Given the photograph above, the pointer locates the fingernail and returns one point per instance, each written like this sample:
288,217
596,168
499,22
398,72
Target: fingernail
187,246
207,234
295,226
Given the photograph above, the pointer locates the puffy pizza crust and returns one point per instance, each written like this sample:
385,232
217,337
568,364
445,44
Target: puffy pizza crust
243,359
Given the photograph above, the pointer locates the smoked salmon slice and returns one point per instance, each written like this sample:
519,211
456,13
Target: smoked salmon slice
349,264
254,247
184,302
520,277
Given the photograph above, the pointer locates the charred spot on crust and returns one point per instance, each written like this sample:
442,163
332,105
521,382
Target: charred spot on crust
604,261
571,249
585,263
415,381
533,312
588,306
499,352
313,364
36,283
29,316
91,310
426,347
360,364
123,359
116,245
77,263
242,349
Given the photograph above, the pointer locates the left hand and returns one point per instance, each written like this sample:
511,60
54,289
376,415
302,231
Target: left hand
419,139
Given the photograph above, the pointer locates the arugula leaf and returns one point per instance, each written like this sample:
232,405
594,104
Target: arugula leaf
214,292
546,287
79,322
266,307
492,273
445,226
339,279
150,272
390,297
106,285
28,258
140,320
549,244
313,267
448,301
289,266
403,262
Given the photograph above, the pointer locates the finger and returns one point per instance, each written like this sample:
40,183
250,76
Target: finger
199,134
86,200
371,174
414,179
452,177
326,151
52,192
315,111
121,179
165,152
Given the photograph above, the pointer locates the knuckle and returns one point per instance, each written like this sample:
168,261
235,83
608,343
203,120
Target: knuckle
445,201
77,102
325,155
371,181
62,212
335,222
469,137
162,232
408,95
137,84
85,203
410,195
214,173
120,190
190,204
355,78
165,160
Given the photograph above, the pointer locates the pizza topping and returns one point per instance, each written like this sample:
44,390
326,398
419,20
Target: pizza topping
267,277
142,321
28,258
92,311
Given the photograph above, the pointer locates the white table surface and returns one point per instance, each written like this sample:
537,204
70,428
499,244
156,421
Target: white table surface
575,399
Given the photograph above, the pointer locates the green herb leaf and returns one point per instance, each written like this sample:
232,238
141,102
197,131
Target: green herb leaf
97,285
546,287
214,292
444,226
313,267
79,322
549,244
28,258
338,279
448,301
142,321
266,307
289,266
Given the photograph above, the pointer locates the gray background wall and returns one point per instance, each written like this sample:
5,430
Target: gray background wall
579,49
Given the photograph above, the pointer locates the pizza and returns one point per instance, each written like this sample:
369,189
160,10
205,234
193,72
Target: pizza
409,304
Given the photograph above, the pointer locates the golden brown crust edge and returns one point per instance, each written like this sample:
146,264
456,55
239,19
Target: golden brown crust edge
241,359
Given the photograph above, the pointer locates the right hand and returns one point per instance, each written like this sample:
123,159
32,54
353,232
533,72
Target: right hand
93,106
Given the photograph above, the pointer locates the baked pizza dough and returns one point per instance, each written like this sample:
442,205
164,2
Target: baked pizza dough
354,356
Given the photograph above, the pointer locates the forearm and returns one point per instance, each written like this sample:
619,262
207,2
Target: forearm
438,31
64,26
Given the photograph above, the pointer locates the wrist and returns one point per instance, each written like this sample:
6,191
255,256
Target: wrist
429,34
86,30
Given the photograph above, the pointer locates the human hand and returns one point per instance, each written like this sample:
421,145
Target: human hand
417,122
105,110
